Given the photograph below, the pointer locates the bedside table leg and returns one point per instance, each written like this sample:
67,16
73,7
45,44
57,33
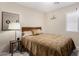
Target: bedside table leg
11,49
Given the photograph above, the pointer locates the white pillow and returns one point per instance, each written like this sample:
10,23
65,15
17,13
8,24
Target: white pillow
27,33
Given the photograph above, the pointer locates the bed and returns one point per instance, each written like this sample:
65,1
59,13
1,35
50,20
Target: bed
45,44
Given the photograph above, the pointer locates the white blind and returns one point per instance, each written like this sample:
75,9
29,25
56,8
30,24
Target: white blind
72,22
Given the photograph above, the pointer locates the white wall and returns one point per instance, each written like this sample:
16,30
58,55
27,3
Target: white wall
28,17
5,37
58,25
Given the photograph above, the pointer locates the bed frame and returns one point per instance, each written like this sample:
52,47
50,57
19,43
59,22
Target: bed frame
30,28
69,46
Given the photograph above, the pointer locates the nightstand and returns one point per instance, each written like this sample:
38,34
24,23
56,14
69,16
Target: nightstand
15,45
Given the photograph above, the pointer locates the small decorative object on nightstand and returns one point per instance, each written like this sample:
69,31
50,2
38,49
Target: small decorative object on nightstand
15,45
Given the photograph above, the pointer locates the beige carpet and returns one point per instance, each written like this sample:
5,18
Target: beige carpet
75,53
14,54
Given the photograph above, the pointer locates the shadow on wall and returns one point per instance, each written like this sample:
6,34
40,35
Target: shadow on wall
5,37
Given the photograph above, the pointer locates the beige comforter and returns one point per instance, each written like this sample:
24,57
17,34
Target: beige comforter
48,44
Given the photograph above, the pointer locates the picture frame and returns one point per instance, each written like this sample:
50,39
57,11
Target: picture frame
8,17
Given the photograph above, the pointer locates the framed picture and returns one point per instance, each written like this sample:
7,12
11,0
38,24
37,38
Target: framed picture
7,18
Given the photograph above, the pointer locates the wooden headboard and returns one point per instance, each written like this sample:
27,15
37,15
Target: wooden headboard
30,28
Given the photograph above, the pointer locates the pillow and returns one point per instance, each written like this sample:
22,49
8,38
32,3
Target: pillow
27,33
36,31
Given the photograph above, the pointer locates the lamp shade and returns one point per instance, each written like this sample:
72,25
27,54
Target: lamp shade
14,26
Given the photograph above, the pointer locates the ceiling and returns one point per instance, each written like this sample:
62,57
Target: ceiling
46,6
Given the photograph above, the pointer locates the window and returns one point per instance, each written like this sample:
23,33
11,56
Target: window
72,22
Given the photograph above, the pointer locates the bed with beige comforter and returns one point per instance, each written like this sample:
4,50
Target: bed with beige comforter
48,45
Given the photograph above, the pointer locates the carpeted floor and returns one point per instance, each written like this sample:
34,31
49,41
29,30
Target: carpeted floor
75,53
14,54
